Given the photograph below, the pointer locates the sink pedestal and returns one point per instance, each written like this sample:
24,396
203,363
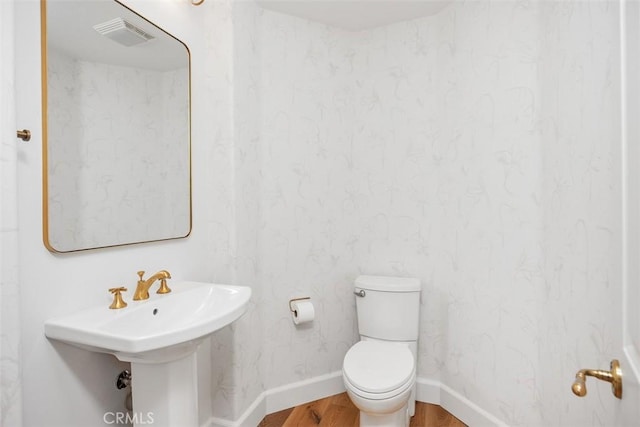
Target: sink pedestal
165,394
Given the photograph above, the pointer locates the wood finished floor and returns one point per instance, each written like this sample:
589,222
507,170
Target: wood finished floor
339,411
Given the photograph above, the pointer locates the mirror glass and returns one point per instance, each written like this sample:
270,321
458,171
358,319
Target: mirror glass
116,128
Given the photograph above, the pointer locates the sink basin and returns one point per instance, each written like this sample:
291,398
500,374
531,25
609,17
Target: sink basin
157,330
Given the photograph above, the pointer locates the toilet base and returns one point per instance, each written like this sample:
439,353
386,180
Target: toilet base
395,411
400,418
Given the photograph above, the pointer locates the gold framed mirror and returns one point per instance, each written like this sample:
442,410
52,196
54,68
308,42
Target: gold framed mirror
116,128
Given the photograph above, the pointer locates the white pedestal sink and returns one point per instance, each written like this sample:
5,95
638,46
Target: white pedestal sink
159,337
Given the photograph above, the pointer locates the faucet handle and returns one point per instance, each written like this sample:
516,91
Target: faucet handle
118,302
164,289
140,274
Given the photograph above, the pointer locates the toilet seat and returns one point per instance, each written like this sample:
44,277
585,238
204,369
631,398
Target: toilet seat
378,370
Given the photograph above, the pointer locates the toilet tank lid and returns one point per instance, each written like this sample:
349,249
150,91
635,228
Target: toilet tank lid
388,284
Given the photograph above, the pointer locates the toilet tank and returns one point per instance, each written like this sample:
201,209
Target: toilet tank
389,308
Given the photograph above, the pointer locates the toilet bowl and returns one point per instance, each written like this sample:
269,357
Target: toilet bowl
379,378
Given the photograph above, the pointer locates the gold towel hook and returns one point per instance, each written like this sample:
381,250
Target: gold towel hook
614,376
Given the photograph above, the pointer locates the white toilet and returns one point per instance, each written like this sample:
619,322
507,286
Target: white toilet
379,371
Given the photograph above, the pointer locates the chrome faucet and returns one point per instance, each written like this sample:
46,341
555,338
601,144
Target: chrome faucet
142,290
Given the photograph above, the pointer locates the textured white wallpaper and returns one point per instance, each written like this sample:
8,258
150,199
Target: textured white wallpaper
10,350
61,385
118,153
476,150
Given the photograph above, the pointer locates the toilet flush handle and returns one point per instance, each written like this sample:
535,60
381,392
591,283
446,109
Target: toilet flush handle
360,293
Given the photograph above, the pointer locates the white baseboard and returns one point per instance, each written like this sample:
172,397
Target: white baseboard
427,391
283,397
467,411
290,395
431,391
250,418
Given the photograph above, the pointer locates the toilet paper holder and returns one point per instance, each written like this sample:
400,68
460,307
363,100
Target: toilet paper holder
296,299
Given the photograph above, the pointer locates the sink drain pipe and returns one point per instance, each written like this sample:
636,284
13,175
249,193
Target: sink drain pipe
124,381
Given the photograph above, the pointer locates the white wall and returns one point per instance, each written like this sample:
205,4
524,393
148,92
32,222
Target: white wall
578,298
67,386
10,383
478,150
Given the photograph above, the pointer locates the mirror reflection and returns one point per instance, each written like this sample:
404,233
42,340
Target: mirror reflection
116,128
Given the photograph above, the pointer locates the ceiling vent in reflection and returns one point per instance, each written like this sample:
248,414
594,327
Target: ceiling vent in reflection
123,32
